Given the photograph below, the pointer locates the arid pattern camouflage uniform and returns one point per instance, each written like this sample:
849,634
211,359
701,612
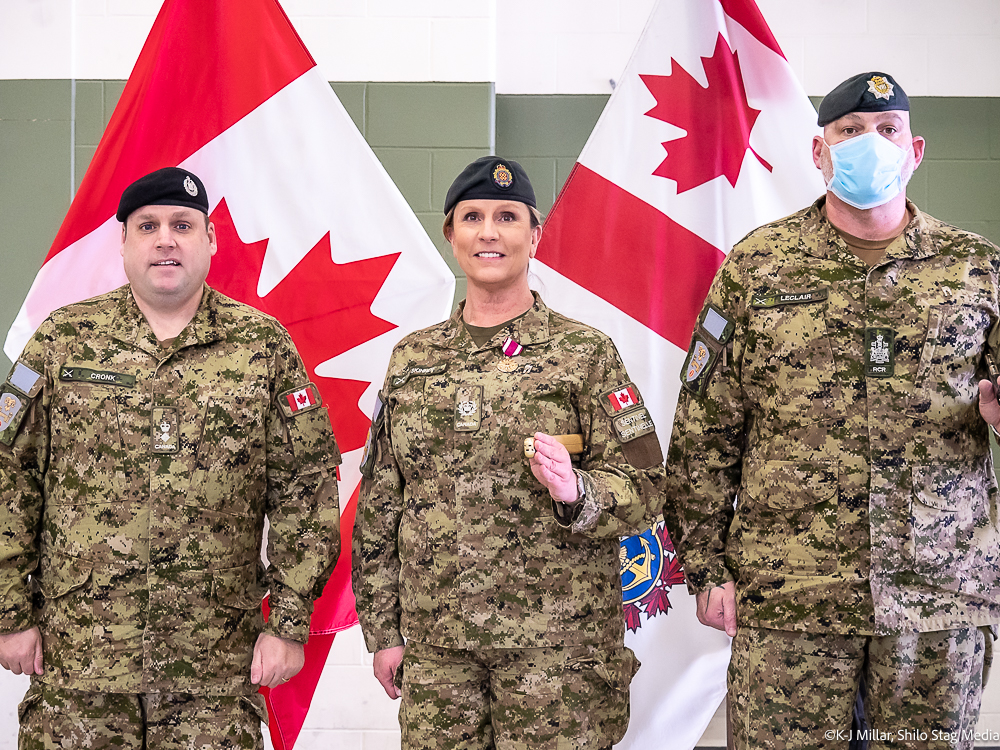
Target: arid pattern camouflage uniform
54,719
456,544
789,689
837,405
867,503
134,494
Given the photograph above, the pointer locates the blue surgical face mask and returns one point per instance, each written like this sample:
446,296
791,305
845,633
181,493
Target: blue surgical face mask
867,170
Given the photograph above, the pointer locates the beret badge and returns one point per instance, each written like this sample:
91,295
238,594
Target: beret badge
502,176
880,87
189,187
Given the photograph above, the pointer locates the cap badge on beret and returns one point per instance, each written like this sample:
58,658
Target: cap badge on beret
189,187
880,87
502,176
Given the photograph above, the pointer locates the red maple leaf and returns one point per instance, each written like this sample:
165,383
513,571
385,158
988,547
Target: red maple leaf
673,573
718,120
665,540
632,621
325,306
657,601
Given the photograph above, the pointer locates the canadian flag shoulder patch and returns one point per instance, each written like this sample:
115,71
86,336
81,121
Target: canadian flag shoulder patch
620,398
301,399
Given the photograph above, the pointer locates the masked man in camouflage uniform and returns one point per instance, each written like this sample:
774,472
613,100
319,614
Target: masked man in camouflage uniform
502,572
144,437
831,393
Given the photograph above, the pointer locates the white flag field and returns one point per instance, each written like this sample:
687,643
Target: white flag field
706,137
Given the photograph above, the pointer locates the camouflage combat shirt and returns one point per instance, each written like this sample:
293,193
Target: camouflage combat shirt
837,405
134,485
456,544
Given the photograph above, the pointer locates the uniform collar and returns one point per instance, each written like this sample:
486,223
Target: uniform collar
821,240
131,326
530,328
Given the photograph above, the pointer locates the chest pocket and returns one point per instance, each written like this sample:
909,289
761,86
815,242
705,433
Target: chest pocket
949,359
86,445
788,365
230,447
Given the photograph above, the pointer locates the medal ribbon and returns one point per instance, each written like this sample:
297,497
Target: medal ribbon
511,348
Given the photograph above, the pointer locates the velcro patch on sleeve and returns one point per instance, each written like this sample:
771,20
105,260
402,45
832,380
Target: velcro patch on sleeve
633,424
711,336
26,380
621,398
299,400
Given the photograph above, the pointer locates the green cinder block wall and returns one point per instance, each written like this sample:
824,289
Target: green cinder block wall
424,133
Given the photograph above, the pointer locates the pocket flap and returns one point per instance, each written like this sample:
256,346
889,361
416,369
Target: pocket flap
237,587
790,484
950,486
618,668
62,575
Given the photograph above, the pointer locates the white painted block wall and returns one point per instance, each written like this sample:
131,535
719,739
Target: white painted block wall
526,47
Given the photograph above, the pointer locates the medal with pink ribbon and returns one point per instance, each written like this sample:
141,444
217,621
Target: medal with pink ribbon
510,350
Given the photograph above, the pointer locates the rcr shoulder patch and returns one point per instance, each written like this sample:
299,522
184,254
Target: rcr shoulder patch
299,400
711,337
12,411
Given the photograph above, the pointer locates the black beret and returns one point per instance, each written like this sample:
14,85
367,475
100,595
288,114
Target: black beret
170,186
867,92
490,178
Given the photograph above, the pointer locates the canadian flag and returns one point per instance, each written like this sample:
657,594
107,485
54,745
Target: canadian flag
301,399
622,399
706,136
303,212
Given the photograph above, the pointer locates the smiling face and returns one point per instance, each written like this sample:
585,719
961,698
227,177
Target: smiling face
492,241
167,252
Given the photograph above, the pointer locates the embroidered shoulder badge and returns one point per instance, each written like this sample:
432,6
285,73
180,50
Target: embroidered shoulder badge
299,400
621,398
22,385
708,343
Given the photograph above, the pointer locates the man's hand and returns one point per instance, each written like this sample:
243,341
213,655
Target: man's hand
387,661
989,408
717,608
21,652
275,660
552,467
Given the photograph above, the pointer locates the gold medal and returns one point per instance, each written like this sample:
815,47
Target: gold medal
507,364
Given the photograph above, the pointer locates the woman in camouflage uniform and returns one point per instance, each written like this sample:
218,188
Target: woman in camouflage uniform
501,572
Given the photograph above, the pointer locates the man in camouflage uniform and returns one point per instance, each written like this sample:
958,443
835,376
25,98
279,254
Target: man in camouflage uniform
506,589
145,436
831,393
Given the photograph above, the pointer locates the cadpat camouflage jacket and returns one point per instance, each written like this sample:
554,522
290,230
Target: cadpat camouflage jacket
456,544
134,484
838,406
